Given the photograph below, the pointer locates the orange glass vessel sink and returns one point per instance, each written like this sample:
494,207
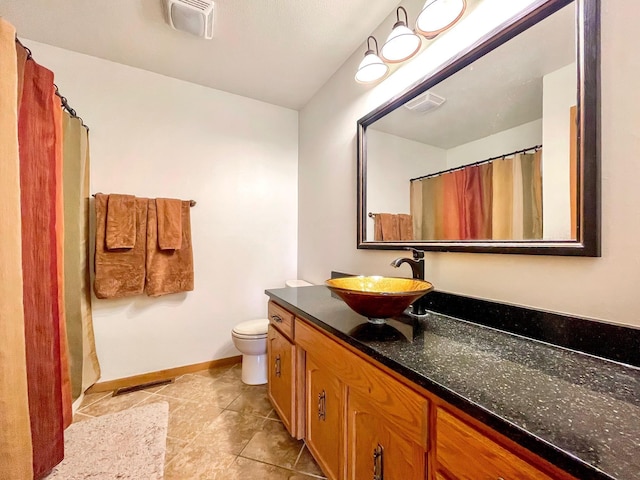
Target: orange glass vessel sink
377,297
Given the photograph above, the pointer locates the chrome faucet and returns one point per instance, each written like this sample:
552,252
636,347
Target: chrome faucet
417,269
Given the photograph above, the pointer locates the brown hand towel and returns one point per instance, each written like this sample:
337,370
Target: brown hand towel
377,227
169,223
168,271
405,227
121,221
120,273
389,223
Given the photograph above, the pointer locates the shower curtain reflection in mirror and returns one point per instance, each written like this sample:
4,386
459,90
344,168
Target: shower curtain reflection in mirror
497,200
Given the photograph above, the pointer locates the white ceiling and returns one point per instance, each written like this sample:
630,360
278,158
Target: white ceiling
501,90
277,51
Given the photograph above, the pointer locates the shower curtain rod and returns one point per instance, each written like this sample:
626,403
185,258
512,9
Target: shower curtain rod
192,203
63,99
504,155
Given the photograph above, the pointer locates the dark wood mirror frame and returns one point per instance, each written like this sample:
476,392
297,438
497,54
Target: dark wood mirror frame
588,132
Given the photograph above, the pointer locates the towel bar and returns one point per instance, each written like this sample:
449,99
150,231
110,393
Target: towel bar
192,203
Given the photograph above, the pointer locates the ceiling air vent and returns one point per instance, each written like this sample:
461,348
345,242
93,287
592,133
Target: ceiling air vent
191,16
425,103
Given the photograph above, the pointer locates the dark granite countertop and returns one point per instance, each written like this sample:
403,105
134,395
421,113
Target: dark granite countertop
580,412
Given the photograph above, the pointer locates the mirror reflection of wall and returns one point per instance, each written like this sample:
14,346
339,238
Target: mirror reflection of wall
516,97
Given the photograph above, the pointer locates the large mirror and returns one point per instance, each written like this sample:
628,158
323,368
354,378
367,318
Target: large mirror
495,152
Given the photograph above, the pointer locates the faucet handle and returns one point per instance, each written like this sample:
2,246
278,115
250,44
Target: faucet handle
417,254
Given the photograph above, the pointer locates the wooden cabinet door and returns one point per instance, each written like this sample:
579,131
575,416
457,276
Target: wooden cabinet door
376,448
281,377
464,453
324,414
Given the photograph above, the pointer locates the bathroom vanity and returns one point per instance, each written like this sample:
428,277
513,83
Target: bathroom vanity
442,398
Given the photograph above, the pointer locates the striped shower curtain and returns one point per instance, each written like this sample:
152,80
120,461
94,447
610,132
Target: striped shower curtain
35,249
498,200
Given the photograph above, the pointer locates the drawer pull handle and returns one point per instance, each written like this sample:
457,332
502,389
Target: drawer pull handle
276,318
378,467
278,371
322,405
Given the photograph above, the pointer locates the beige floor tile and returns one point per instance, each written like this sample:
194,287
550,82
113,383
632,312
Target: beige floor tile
197,462
272,444
187,422
245,469
273,415
234,373
302,476
214,373
307,464
253,400
174,447
200,389
79,417
174,403
93,398
230,432
111,404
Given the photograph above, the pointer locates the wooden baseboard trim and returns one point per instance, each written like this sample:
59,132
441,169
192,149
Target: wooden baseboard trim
112,385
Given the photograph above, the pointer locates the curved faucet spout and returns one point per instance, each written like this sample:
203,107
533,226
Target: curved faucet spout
417,269
417,266
416,263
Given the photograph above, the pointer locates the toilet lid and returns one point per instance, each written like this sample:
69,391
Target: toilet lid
252,327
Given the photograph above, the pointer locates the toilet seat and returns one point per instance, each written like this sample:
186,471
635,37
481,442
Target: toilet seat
252,329
249,337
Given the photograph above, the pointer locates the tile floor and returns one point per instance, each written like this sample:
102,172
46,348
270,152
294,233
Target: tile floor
219,428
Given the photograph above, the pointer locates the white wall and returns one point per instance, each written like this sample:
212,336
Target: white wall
516,138
560,94
604,288
391,162
156,136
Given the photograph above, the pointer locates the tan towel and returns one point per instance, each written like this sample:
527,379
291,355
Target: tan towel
168,271
169,223
389,223
405,227
121,221
120,273
377,228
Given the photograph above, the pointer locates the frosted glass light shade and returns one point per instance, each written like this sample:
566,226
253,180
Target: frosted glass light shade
401,44
371,68
438,15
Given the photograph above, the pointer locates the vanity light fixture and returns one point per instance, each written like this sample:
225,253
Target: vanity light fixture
402,43
439,15
371,67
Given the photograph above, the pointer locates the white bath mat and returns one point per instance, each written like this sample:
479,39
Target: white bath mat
128,445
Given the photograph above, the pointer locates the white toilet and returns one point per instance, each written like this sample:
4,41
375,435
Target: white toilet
250,338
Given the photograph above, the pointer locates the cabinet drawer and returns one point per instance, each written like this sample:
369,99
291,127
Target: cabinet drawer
281,319
467,454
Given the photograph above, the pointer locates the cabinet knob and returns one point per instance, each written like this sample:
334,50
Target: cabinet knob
322,405
378,466
278,372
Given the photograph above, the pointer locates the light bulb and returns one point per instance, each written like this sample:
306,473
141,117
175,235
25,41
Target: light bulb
439,15
401,44
371,68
